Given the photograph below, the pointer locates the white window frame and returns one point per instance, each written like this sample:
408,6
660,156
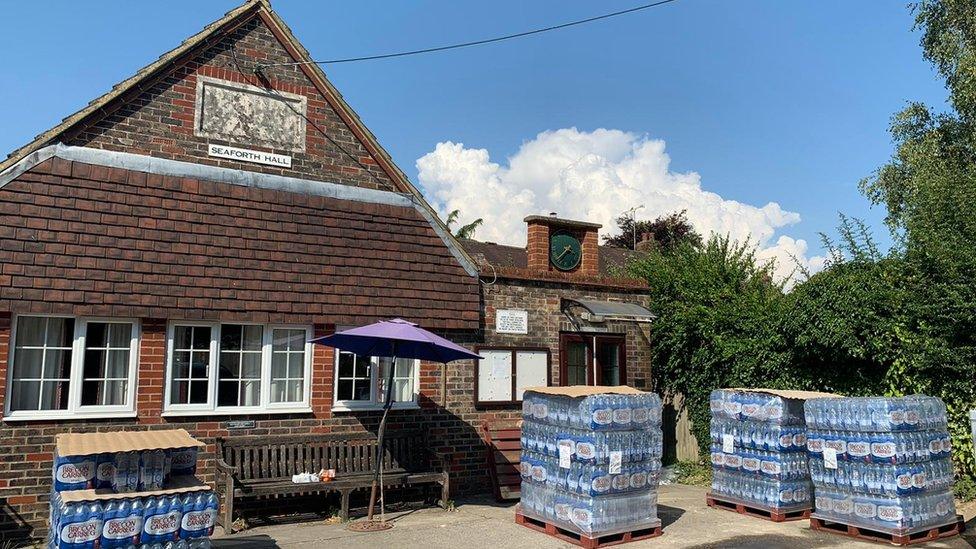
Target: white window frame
373,403
75,410
211,407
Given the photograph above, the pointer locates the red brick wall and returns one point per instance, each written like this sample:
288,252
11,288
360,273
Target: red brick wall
27,452
159,120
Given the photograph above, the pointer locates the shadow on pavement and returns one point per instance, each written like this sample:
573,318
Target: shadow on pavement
770,541
260,541
668,514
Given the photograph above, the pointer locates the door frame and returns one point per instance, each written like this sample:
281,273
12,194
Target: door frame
591,340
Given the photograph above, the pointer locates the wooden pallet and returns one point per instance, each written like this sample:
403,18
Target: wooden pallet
503,450
583,540
907,538
758,511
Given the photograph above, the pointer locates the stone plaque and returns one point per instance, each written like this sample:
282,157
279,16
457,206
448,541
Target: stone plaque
245,114
511,321
235,425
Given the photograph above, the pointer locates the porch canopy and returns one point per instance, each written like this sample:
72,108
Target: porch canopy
612,310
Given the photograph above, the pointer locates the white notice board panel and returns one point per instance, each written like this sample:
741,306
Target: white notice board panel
495,376
533,370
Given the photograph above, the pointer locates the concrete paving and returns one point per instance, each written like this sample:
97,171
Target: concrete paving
688,523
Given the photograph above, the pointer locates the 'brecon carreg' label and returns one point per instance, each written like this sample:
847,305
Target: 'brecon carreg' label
81,532
196,521
859,449
70,475
161,527
122,528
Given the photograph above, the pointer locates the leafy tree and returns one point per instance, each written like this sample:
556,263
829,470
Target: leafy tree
667,231
716,325
464,231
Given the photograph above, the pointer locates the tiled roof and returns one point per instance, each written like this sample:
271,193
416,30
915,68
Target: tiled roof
89,240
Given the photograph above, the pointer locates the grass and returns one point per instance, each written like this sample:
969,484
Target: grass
693,473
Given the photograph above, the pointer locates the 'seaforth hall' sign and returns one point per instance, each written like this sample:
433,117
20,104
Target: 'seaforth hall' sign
248,155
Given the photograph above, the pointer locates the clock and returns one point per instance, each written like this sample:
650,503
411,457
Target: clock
565,251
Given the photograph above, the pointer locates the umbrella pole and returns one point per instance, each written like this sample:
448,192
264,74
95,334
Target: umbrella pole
387,404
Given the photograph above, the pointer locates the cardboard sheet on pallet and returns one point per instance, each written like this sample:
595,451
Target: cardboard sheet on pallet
176,485
782,393
86,444
586,390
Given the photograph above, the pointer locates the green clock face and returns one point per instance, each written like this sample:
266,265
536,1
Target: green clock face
565,251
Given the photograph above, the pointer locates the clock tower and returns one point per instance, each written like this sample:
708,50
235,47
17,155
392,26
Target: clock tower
562,245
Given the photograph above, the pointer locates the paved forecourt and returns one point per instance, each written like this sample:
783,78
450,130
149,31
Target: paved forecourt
481,522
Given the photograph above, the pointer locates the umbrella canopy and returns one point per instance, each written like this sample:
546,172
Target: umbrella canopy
396,338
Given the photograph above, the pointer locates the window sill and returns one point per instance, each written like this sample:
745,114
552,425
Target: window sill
69,416
225,413
374,407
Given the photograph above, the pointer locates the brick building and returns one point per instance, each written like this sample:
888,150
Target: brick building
167,252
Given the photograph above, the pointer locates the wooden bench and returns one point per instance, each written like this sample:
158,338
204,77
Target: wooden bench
252,466
503,452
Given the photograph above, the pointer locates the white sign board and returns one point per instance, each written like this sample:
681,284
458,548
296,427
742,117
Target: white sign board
248,155
495,376
533,371
511,321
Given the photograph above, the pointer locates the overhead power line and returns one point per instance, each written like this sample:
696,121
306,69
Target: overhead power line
468,44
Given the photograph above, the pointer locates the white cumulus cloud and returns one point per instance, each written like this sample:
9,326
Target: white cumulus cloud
594,176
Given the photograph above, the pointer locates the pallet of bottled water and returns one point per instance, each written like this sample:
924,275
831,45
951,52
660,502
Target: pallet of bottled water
758,453
881,463
591,460
178,521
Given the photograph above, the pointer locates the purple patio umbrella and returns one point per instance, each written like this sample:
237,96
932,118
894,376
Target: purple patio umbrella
395,338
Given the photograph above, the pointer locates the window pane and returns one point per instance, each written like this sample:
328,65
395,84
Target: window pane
181,364
200,364
91,392
253,338
198,391
227,393
362,390
27,363
115,393
120,336
118,364
363,364
60,332
296,365
30,331
279,365
94,364
54,395
24,395
183,336
295,391
57,364
278,391
179,392
95,335
344,390
230,365
250,393
251,366
230,337
346,361
201,337
404,367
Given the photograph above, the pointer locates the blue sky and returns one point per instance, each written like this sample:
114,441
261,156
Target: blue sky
768,101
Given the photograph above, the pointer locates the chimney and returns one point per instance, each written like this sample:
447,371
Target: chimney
646,243
541,228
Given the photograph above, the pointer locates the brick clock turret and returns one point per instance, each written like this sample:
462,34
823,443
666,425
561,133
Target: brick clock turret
562,245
